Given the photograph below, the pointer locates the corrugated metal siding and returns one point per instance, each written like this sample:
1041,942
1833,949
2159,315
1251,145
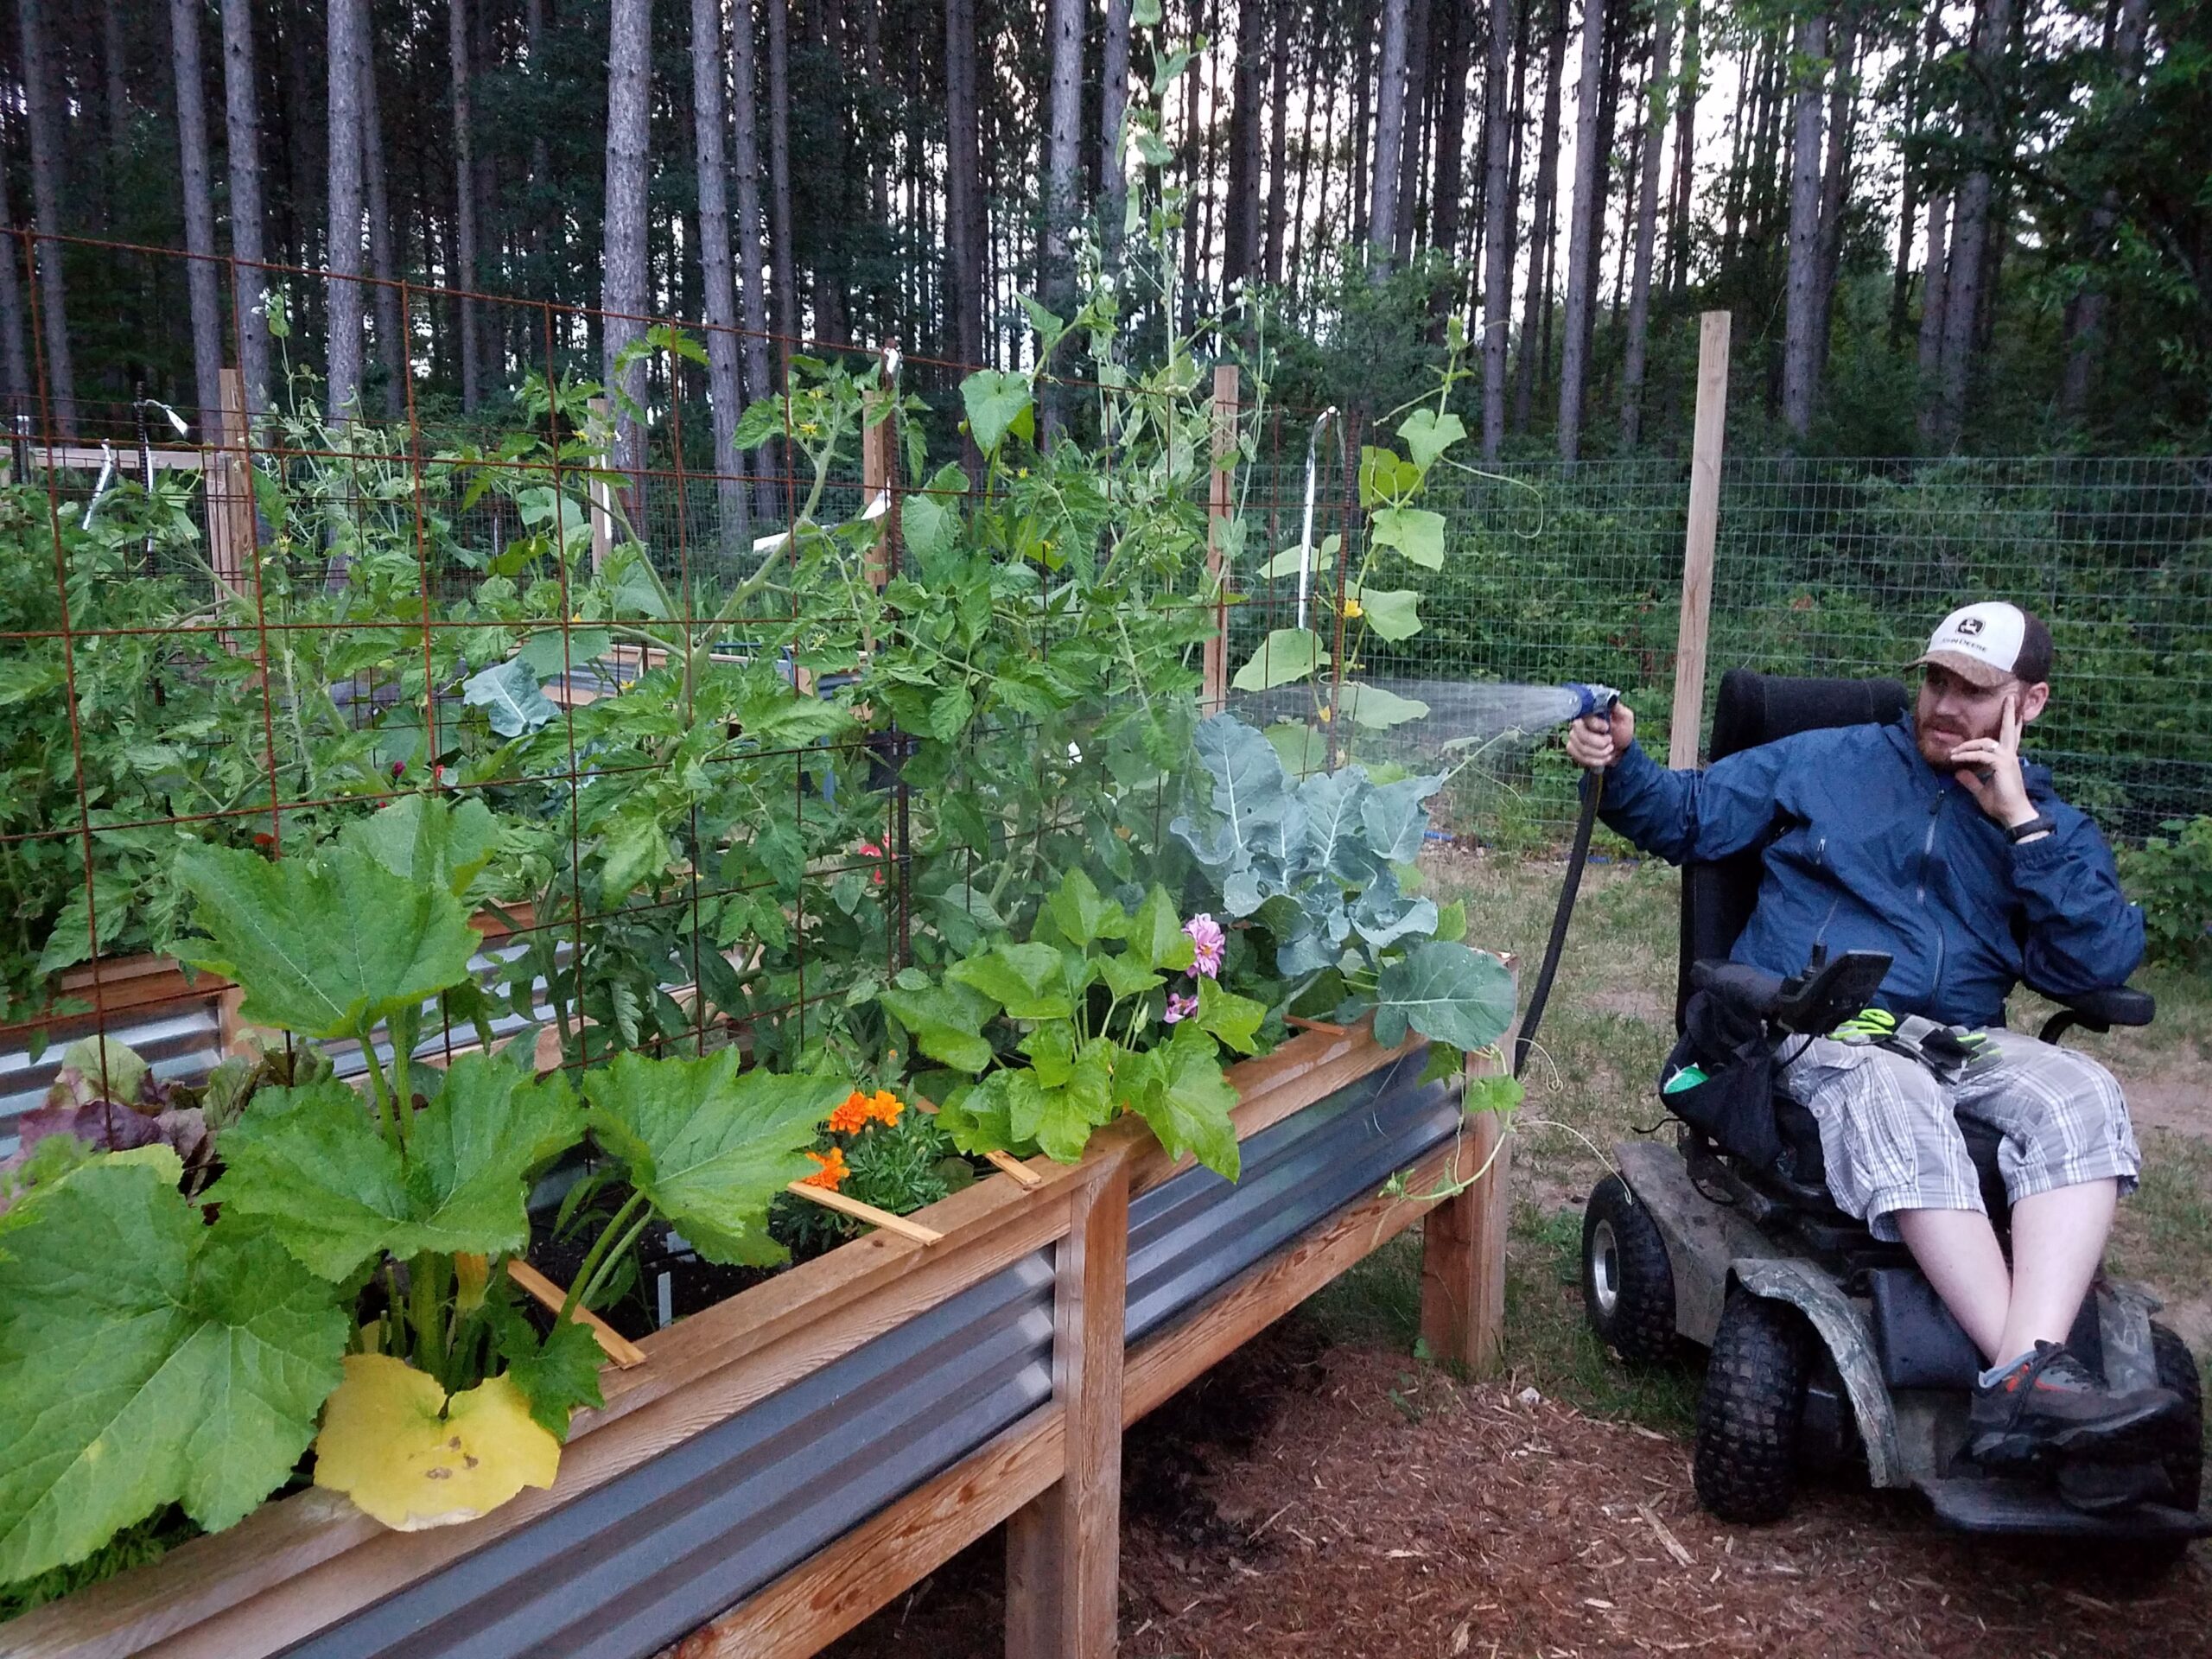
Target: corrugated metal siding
181,1042
1191,1235
628,1569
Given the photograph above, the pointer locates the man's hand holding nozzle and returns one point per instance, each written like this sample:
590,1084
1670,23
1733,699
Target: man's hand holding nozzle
1595,741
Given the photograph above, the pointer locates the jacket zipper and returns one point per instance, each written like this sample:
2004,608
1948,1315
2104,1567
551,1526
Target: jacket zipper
1920,893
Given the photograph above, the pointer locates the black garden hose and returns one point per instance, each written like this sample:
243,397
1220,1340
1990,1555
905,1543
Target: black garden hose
1569,888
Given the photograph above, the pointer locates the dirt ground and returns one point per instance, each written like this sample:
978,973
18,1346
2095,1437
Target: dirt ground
1339,1501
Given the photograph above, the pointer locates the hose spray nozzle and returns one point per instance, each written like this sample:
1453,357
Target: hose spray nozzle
1592,699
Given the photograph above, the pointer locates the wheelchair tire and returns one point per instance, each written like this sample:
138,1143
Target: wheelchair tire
1628,1284
1748,1421
2184,1461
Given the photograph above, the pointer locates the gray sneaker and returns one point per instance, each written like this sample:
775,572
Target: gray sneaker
2050,1404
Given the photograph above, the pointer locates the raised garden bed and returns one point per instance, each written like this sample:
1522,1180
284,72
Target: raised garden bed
793,1457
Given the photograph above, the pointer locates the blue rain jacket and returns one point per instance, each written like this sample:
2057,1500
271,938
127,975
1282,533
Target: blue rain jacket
1866,846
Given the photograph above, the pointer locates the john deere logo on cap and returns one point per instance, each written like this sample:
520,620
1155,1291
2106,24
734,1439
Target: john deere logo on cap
1969,625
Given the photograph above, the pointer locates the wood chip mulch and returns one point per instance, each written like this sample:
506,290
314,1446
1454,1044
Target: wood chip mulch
1342,1502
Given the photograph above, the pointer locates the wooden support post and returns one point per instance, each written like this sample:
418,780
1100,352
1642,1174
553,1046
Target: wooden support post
1463,1247
1220,503
1063,1549
1697,547
229,489
600,491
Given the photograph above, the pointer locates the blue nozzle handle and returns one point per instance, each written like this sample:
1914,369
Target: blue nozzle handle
1592,700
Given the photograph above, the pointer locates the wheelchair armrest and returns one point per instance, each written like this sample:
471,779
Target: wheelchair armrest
1751,991
2100,1010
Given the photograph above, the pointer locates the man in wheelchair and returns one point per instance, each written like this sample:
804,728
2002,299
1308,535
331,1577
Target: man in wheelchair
1929,840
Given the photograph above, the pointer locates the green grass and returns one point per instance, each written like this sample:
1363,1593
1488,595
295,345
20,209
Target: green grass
1592,1081
2164,1232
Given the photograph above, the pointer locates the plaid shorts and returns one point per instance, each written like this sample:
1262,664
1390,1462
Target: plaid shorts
1889,1132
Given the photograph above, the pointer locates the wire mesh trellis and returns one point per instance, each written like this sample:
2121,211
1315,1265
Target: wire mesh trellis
706,832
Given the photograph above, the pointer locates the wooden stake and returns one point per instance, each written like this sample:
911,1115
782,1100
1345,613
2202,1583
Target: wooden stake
1697,547
550,1296
229,489
1220,503
866,1213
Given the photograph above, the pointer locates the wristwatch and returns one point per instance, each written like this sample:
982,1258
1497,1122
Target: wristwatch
2042,824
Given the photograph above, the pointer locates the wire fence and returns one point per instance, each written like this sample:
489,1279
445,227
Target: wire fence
1822,566
299,622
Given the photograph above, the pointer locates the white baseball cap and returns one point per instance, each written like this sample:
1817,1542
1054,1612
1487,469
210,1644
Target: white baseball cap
1988,643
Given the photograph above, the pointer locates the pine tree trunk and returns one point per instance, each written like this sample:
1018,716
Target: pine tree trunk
1113,105
546,236
1679,204
745,116
1240,255
458,40
15,359
342,257
1646,224
1909,199
1835,183
1064,154
1802,313
1970,224
964,238
40,87
1389,137
625,273
201,273
1358,187
1191,160
1583,229
115,98
718,302
1413,127
242,113
1443,216
779,169
1934,285
1497,229
2084,319
1536,319
1283,21
391,338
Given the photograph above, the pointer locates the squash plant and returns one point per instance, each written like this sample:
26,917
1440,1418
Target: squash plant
352,1268
1325,867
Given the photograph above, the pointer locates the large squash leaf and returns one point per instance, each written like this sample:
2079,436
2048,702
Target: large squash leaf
328,945
337,1192
710,1148
1447,993
147,1359
424,839
404,1453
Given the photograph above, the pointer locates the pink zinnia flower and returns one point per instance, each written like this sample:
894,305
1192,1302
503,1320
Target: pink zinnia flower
1180,1008
1206,934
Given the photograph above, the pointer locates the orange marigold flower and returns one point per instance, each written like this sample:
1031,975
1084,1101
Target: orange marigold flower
884,1108
852,1116
831,1175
